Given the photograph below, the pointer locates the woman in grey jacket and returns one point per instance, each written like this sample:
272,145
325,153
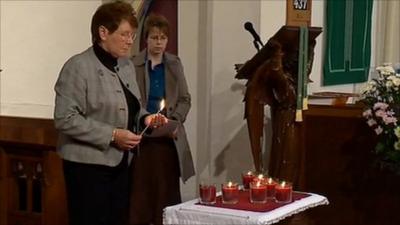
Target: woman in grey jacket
98,116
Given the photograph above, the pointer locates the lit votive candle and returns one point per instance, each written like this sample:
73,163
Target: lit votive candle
247,178
207,194
230,193
283,192
258,192
271,188
260,178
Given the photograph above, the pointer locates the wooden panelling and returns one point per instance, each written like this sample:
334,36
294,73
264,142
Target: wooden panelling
3,189
32,189
28,131
338,164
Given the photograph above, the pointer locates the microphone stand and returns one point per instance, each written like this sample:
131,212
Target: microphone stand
256,45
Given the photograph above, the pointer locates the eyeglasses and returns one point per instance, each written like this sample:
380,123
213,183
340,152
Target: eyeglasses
127,36
158,37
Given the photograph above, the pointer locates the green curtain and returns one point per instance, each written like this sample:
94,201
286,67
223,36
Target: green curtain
348,41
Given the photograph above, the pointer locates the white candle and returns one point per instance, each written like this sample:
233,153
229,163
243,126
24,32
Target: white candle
162,105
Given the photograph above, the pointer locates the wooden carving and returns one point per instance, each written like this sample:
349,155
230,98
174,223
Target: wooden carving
272,80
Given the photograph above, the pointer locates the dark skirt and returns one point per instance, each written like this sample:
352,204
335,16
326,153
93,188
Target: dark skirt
97,194
155,181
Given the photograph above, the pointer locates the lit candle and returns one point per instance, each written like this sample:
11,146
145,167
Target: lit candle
258,192
230,193
207,194
162,105
260,178
247,177
283,192
271,184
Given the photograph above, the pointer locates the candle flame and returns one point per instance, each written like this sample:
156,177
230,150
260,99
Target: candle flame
258,184
162,104
283,184
260,176
270,180
230,184
249,173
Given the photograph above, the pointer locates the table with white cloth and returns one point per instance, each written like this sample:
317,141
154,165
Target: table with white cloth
191,212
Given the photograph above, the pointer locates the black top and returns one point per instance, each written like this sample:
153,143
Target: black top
112,64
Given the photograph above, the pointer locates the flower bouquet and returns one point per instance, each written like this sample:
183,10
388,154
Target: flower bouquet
381,97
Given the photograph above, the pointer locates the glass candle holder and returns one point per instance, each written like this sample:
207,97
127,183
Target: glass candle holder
258,192
247,178
283,192
230,193
271,188
207,193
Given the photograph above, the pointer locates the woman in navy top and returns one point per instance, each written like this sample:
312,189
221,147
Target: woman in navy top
162,160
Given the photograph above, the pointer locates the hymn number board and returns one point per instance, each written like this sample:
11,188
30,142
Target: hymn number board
298,13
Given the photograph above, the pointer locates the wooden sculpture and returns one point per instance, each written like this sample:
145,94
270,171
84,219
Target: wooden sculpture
272,80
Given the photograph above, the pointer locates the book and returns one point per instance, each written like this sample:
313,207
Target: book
331,98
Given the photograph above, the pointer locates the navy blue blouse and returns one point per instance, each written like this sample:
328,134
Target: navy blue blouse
157,87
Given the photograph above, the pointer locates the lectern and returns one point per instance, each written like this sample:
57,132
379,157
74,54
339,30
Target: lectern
272,76
278,76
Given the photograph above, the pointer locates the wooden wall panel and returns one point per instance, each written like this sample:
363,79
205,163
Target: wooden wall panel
28,131
338,164
3,189
31,143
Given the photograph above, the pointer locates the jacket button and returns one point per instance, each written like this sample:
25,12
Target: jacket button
122,109
119,91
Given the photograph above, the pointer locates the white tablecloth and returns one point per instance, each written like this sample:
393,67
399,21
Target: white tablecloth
190,213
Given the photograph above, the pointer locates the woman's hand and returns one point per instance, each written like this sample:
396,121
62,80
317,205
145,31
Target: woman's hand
125,139
155,120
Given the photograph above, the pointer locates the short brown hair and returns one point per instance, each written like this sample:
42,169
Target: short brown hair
155,20
110,15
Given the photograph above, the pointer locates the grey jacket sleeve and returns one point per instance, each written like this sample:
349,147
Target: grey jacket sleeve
70,115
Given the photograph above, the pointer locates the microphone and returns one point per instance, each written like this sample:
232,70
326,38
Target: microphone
249,27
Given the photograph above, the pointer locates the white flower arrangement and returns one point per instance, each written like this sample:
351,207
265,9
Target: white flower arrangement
381,97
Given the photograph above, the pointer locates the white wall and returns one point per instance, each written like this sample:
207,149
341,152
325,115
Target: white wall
37,37
230,44
211,40
188,50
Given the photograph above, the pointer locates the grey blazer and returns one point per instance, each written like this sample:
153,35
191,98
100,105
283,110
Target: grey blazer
89,104
177,100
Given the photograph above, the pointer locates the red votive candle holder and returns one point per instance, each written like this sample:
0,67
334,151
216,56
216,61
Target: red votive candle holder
258,192
283,192
230,193
207,194
271,188
247,178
